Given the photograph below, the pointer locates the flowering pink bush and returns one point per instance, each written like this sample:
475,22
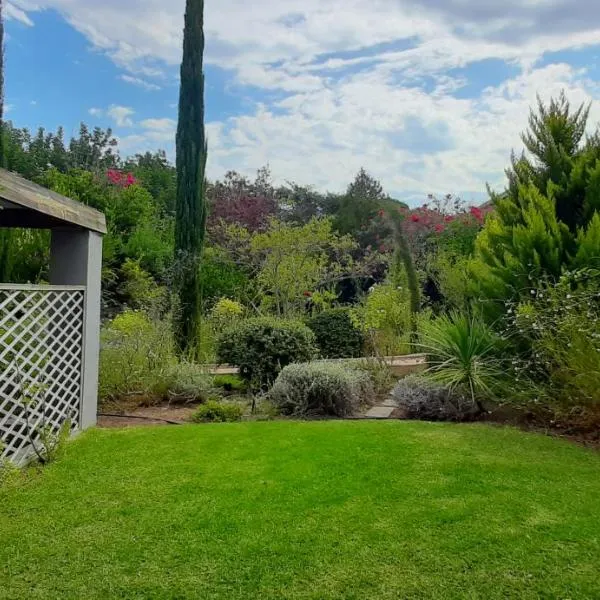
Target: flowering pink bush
118,178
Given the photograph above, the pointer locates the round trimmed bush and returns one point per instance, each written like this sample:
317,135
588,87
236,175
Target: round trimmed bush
262,347
321,388
336,334
426,400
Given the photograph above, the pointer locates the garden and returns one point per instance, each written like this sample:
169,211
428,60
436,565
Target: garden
305,298
262,325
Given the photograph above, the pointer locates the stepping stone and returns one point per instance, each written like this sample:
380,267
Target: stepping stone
390,402
380,412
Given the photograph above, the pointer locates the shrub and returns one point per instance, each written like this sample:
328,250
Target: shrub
261,347
184,382
380,374
559,329
464,354
426,400
136,353
230,383
225,311
385,319
216,412
336,334
321,388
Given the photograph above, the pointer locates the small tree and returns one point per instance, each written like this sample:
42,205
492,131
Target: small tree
541,219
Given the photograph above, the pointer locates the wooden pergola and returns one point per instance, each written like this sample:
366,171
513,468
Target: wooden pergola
49,334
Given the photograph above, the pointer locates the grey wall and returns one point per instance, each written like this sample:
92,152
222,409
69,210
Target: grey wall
76,259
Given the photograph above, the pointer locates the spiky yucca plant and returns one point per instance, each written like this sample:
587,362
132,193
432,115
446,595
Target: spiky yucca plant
464,353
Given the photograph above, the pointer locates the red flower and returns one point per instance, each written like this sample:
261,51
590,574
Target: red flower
476,212
130,180
439,228
113,176
415,218
448,218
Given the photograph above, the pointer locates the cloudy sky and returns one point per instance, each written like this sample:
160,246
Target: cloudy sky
428,95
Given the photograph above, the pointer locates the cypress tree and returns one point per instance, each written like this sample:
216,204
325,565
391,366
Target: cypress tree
403,259
191,208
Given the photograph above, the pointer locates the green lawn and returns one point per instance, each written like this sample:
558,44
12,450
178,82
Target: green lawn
322,510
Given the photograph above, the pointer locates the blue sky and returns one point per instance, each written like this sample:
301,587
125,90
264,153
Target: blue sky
428,95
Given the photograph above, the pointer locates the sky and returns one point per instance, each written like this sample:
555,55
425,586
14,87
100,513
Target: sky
428,95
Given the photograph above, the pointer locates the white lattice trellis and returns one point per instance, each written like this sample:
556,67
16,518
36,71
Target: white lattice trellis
41,347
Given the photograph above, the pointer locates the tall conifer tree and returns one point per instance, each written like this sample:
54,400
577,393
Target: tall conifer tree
191,163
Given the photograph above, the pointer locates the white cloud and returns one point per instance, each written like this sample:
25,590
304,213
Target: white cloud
96,112
120,115
139,82
16,14
360,82
325,136
159,124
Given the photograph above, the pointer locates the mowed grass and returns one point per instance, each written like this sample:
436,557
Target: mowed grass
322,510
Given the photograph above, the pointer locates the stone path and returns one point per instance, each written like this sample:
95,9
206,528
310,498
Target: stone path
384,410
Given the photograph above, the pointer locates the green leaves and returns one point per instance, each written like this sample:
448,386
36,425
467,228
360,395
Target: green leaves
463,353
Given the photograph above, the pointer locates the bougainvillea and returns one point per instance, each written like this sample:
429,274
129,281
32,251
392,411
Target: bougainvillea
120,179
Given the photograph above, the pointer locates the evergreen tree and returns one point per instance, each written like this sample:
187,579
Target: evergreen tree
558,156
358,206
191,163
403,261
540,223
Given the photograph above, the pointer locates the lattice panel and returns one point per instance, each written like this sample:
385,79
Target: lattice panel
41,346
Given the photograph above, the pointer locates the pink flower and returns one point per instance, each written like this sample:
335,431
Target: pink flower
476,212
439,228
448,218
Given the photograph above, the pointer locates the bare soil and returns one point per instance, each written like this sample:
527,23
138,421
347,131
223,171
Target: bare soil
130,415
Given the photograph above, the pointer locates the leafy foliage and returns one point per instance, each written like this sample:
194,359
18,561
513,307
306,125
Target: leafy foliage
237,201
464,355
230,383
321,388
191,207
218,412
294,260
336,335
426,400
136,355
262,347
559,330
547,210
384,317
